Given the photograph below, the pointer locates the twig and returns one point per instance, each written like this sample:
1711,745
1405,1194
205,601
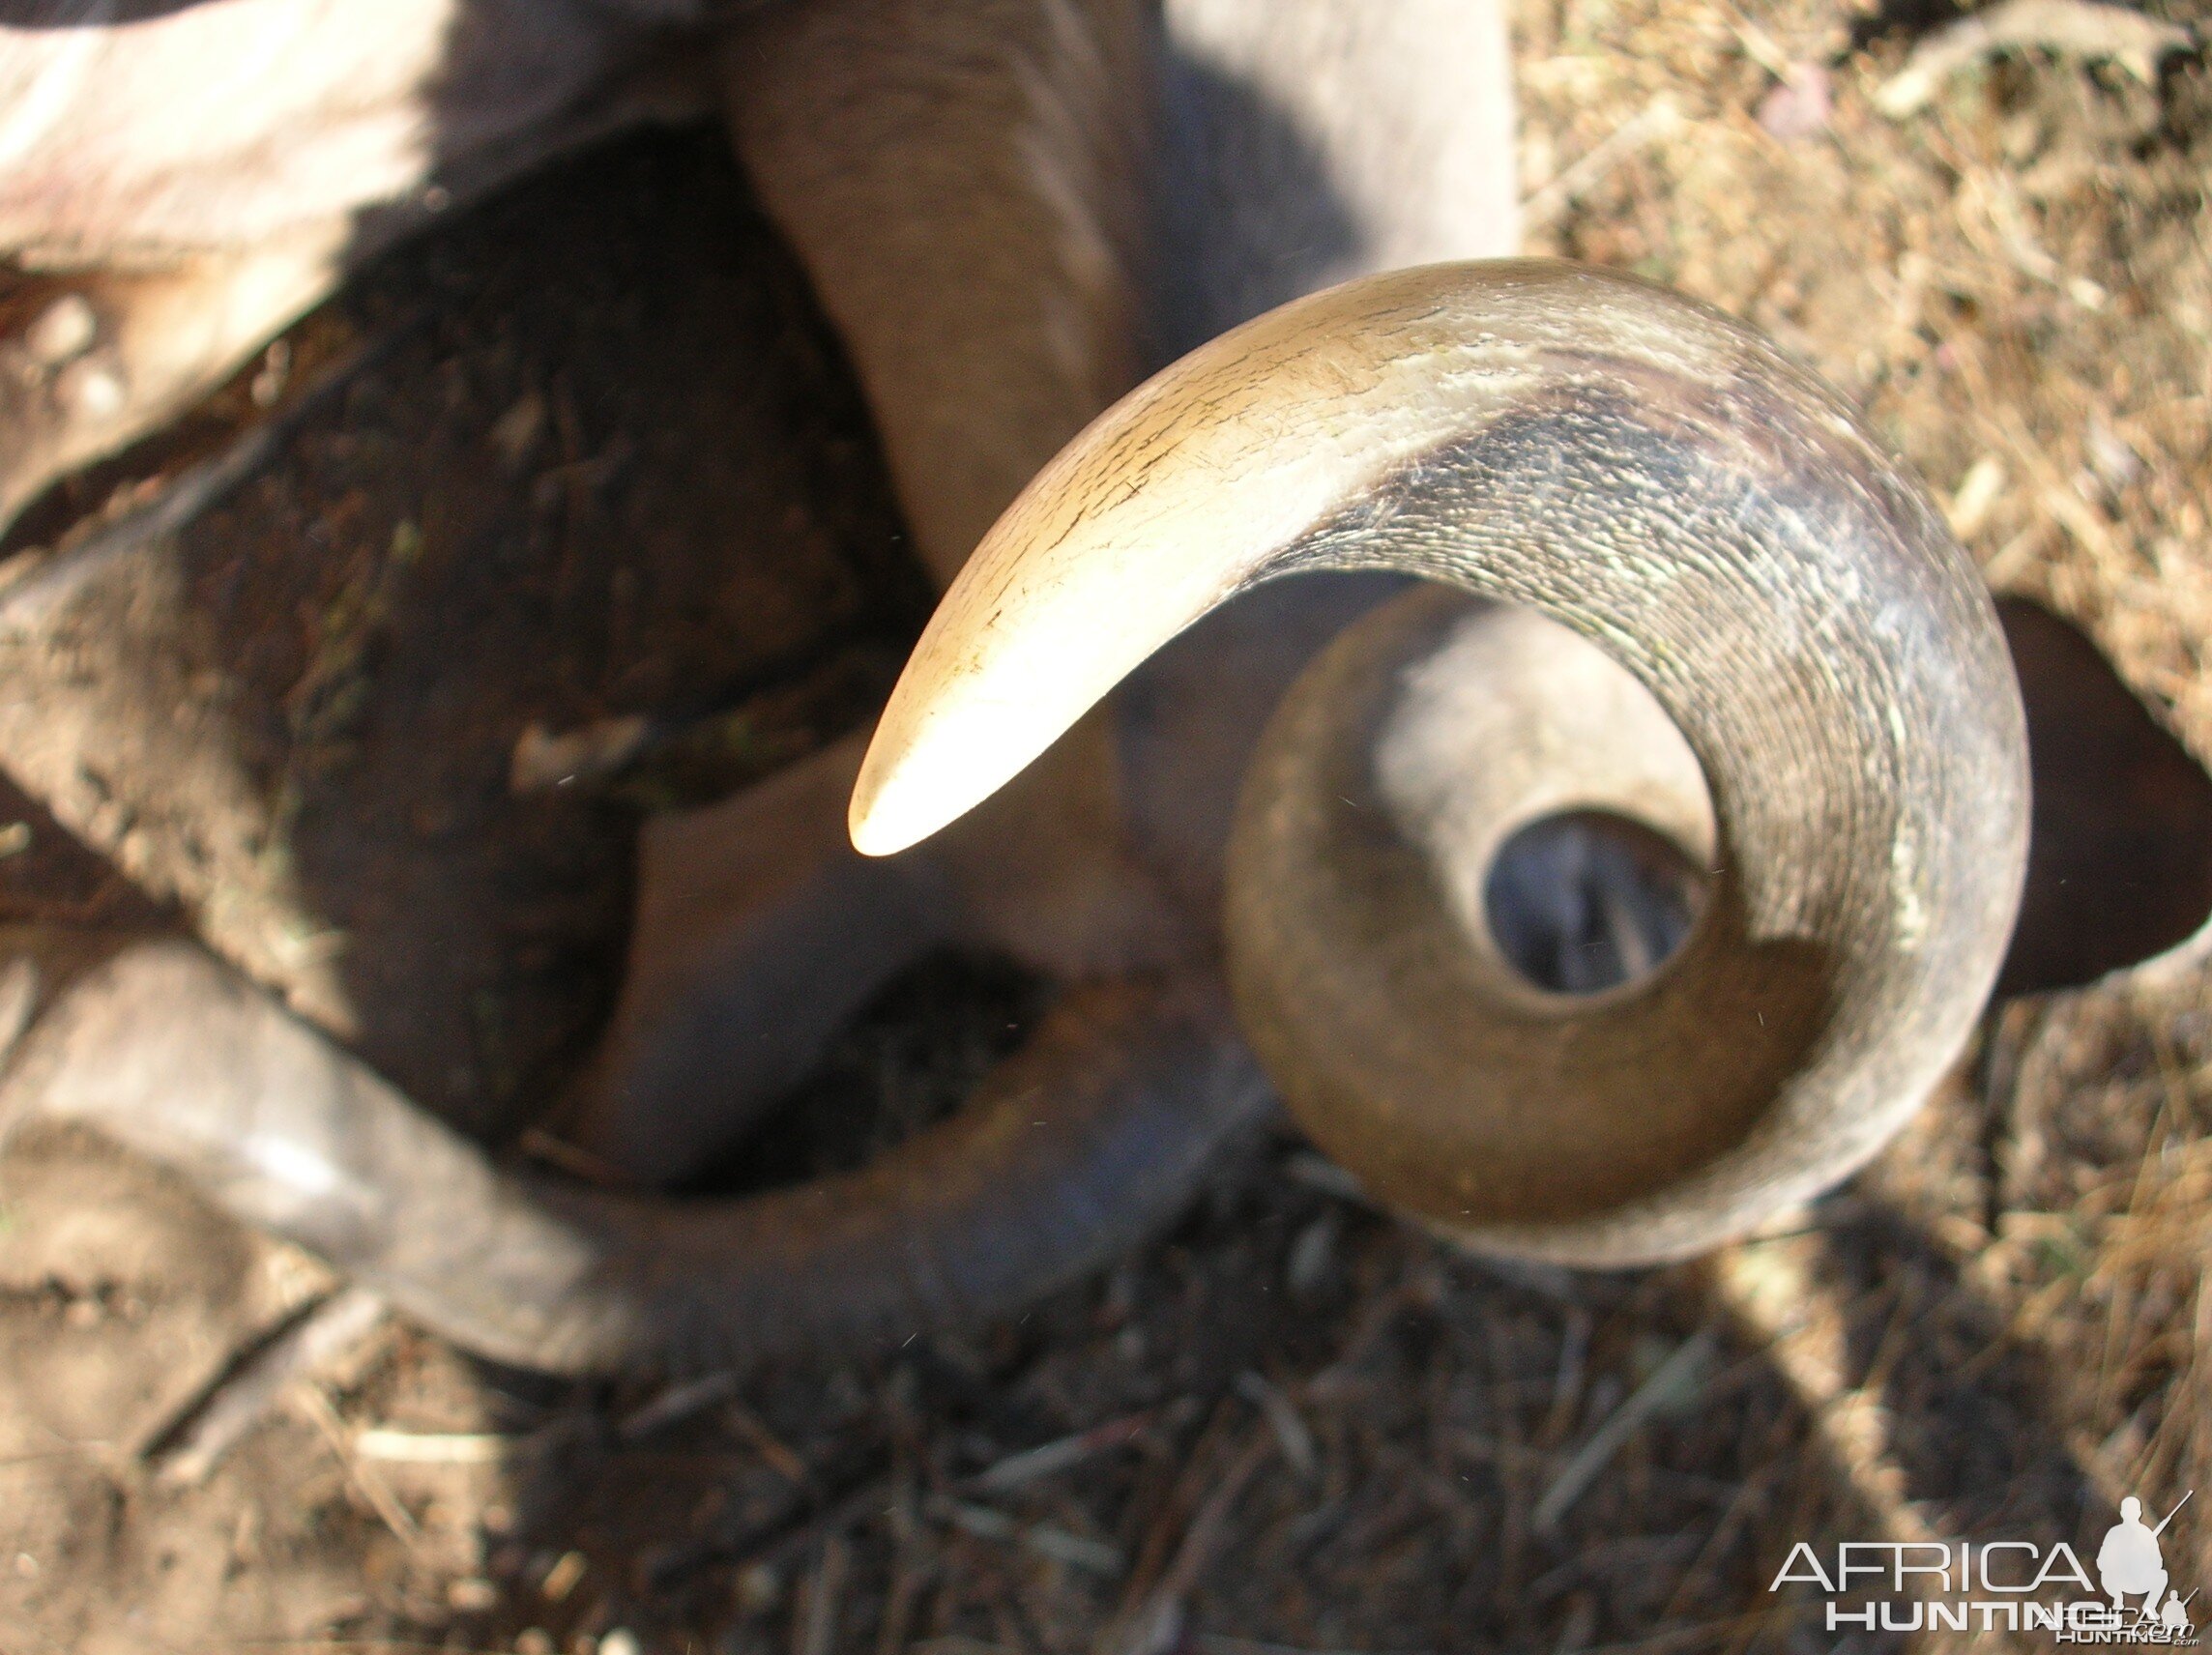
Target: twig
1032,1465
677,1404
1152,1624
782,1459
773,1543
372,1487
1045,1539
907,1573
1326,1387
816,1631
2075,28
1290,1433
444,1447
1677,1379
1747,1491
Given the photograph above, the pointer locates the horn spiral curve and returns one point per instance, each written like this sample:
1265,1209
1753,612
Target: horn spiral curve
1656,478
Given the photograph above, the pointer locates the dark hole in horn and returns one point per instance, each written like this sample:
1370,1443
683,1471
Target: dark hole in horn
2119,863
1584,901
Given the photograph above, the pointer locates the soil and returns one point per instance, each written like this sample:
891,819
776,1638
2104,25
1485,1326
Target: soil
586,452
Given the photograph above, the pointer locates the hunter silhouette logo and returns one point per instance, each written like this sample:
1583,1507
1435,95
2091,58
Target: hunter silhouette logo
2130,1563
2009,1586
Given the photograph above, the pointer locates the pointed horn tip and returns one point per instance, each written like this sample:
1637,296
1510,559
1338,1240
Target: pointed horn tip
1085,576
874,834
950,736
912,785
877,826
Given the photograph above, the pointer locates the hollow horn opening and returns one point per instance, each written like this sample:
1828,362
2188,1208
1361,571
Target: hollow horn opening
1442,755
1587,901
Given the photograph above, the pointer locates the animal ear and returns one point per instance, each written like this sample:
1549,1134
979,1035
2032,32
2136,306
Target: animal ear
2119,861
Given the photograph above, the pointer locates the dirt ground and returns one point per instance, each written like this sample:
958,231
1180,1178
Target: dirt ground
586,452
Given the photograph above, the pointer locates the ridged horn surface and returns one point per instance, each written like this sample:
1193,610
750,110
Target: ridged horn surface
1656,478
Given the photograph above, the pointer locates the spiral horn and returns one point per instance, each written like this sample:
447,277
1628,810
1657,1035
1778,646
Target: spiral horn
1651,475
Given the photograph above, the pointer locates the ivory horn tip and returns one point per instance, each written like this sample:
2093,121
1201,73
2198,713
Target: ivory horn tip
878,828
905,792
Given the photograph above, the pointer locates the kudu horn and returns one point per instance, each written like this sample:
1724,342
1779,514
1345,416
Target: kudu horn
1659,479
1091,1137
